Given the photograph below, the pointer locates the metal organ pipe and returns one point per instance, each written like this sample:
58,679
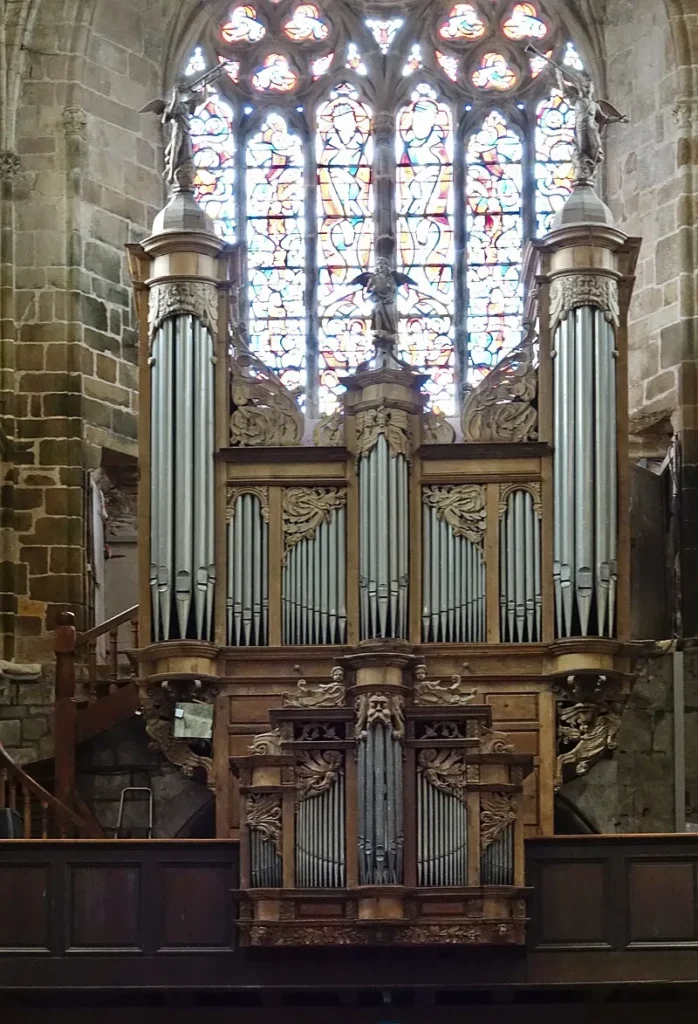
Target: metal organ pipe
520,597
585,474
453,584
247,593
313,586
182,574
384,546
380,807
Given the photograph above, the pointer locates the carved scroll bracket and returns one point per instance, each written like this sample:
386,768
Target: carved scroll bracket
589,710
172,298
267,744
574,290
158,714
233,493
462,507
306,508
501,407
393,424
374,708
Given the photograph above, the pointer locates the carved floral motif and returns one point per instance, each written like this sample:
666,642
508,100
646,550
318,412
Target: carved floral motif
394,424
462,507
344,934
572,290
316,771
329,431
500,408
374,708
306,508
265,412
445,770
497,811
263,814
436,429
173,298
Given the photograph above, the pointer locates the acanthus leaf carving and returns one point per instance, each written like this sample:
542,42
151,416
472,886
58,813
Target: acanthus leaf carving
501,407
438,692
318,695
445,770
329,431
265,413
462,507
263,814
267,744
316,771
174,298
573,290
158,714
387,709
306,508
393,424
436,429
497,811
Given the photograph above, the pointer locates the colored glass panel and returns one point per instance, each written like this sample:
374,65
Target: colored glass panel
524,23
345,236
384,31
494,73
275,75
494,226
354,60
197,63
554,168
321,65
276,249
243,26
426,251
232,68
306,25
214,155
539,64
463,22
572,59
448,64
414,60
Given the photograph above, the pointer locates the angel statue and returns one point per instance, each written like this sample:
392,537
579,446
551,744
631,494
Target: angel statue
382,285
591,116
176,114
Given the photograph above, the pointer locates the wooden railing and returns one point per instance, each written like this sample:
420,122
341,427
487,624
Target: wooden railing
41,814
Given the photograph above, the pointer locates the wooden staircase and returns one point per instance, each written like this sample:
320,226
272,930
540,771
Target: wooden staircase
92,695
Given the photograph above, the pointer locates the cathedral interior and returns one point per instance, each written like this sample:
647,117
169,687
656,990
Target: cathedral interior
349,468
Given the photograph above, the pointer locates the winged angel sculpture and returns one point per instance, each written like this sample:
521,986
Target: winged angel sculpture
176,114
382,285
591,116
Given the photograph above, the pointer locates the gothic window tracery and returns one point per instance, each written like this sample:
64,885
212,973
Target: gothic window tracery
472,157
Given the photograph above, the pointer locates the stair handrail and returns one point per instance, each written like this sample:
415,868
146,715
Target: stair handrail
63,813
128,615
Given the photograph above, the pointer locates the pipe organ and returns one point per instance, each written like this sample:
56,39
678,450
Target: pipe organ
413,629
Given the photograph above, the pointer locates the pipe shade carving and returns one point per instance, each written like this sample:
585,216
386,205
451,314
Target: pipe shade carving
502,406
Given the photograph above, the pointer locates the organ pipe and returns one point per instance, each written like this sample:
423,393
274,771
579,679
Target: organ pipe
247,602
442,845
380,810
182,573
453,584
585,474
314,586
520,596
320,843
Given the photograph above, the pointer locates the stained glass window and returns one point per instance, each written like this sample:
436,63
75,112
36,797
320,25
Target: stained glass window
475,154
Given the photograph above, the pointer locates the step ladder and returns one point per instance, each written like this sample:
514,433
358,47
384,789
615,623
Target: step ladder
135,796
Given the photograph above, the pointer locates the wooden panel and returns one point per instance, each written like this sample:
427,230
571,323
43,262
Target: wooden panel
24,907
573,903
530,810
104,902
513,707
662,901
197,908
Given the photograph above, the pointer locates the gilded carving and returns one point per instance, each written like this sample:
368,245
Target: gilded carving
501,407
329,431
445,770
267,744
233,493
589,716
263,814
436,429
462,507
435,691
344,933
173,298
497,811
572,290
393,424
533,488
318,695
158,714
316,771
494,742
374,708
265,413
306,508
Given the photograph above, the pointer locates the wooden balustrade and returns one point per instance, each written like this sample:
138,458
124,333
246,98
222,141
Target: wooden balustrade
43,816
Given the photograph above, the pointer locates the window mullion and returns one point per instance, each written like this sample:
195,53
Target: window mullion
241,219
311,272
460,337
384,187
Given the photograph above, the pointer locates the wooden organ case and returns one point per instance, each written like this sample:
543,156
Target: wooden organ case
412,629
